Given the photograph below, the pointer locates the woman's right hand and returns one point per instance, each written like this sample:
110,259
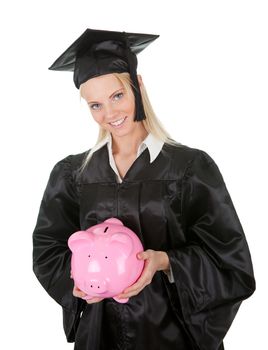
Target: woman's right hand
79,294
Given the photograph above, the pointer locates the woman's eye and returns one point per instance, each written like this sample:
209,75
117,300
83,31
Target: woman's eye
118,96
95,106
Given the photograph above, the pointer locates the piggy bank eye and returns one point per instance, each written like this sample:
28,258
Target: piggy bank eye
89,256
106,257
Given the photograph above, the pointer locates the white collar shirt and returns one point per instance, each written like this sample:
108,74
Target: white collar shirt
153,144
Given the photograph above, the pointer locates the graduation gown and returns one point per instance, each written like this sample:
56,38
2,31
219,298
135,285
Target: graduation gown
179,204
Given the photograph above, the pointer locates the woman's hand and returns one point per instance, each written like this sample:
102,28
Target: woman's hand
79,294
154,261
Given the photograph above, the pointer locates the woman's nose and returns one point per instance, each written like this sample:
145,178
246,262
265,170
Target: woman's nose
110,113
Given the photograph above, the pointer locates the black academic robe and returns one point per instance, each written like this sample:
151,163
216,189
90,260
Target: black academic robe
178,204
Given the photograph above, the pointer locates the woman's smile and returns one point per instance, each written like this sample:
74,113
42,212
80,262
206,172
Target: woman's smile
118,123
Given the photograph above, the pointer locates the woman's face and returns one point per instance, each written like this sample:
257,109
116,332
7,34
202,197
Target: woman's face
110,104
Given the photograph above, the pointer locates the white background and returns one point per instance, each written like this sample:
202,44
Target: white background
207,79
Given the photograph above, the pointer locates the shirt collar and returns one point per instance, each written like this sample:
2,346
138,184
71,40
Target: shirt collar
154,146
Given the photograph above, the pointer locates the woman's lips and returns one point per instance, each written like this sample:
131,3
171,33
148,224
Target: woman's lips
118,122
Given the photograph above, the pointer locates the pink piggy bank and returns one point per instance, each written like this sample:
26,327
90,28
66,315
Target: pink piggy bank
104,260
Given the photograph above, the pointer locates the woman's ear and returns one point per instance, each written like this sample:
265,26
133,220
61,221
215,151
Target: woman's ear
140,81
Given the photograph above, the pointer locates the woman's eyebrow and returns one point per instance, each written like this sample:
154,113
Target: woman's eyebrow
109,96
115,92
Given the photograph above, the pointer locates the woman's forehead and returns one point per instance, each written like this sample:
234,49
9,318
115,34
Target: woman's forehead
101,86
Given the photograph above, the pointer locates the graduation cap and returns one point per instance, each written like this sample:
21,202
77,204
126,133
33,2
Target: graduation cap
99,52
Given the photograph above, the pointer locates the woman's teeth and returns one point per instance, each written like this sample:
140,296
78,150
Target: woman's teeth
118,122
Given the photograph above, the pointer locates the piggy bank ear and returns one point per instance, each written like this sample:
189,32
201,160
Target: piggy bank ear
114,221
79,238
124,241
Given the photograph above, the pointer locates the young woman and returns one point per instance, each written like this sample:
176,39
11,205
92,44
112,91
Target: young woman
197,263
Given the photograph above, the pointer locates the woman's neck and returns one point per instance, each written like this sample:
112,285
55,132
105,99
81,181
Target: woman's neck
128,145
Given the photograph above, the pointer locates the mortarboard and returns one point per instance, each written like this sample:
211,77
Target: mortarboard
99,52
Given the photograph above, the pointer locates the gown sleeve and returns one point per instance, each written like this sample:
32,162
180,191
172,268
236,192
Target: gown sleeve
58,218
213,272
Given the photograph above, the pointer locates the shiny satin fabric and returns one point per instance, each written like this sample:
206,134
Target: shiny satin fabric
179,204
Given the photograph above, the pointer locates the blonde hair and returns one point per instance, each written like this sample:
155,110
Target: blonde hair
151,124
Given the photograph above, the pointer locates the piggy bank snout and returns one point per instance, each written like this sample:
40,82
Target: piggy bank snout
97,286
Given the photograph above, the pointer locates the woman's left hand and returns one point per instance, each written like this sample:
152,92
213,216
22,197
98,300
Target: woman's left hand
154,261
